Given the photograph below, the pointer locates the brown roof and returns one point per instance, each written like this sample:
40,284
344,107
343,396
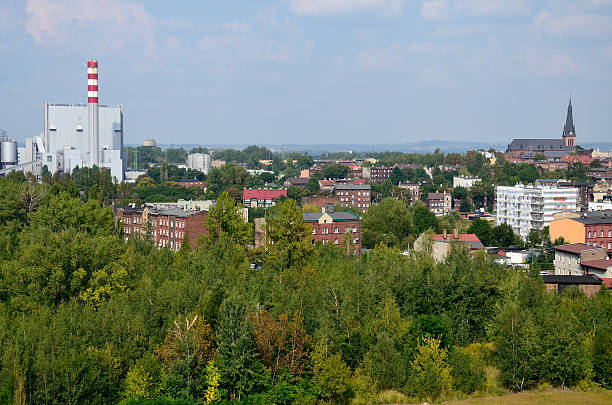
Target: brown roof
574,247
601,264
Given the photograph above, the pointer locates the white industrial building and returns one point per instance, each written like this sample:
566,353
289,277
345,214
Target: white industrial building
199,161
77,135
532,207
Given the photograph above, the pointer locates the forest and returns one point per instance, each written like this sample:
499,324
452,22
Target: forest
86,318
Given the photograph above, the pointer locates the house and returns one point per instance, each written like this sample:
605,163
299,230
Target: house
443,243
357,195
589,284
569,258
570,159
327,185
439,203
296,181
330,227
261,197
593,229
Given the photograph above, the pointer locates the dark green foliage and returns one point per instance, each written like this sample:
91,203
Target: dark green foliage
468,374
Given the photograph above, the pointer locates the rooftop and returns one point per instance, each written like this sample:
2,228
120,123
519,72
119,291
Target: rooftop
595,218
558,279
336,216
263,193
353,187
601,264
574,247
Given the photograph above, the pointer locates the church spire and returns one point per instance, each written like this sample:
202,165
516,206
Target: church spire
569,132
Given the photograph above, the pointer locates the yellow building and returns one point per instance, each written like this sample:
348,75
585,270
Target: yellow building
571,230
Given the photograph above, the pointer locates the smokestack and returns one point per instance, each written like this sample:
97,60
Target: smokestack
92,107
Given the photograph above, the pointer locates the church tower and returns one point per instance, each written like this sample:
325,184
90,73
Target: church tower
569,132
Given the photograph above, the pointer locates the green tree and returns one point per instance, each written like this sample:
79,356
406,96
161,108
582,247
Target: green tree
431,374
423,219
225,219
312,187
482,228
331,376
397,176
144,379
388,222
289,234
237,359
335,171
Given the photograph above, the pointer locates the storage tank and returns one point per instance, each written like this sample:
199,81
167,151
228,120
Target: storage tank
8,152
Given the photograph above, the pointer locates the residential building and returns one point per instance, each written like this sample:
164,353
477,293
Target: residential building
583,159
585,191
296,181
412,190
443,243
330,227
377,174
532,207
568,258
189,183
552,148
261,197
357,195
601,205
327,184
320,201
465,181
601,174
440,203
591,228
199,161
167,226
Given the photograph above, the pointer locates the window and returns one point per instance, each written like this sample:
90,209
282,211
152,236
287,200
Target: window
314,232
589,234
336,241
609,233
336,230
601,234
49,158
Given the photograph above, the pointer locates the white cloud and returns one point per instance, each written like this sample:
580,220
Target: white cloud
323,8
434,76
574,25
435,10
374,59
52,20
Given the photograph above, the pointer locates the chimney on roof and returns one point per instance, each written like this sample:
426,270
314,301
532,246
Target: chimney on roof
444,235
456,233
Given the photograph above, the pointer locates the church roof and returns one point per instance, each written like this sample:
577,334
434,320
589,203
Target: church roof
568,129
540,145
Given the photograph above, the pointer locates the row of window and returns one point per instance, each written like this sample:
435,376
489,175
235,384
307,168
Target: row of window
601,234
365,193
171,244
325,231
603,244
336,241
164,232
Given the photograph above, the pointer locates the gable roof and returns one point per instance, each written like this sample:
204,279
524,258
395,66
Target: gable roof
575,248
297,181
558,279
263,193
469,238
436,196
601,264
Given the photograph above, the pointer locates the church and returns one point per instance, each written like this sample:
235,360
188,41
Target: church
551,148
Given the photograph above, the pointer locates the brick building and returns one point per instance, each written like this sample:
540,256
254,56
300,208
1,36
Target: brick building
591,228
331,227
357,195
167,226
320,201
377,174
189,183
261,197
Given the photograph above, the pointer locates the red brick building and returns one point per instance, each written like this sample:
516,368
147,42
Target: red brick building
377,174
330,227
167,226
188,183
357,195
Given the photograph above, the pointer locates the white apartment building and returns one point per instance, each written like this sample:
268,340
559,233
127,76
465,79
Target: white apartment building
532,207
199,161
465,181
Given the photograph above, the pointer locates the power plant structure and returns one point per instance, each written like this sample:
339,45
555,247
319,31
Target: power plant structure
77,135
8,151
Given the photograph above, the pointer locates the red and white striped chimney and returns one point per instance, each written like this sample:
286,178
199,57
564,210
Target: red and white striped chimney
92,106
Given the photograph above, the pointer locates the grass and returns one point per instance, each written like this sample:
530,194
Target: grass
559,397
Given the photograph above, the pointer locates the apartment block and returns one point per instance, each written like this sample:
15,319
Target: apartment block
357,195
527,207
331,227
440,203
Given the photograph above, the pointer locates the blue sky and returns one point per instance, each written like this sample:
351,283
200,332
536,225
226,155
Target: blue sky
314,71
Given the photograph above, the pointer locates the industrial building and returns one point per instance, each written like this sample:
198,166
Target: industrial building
77,135
532,207
8,151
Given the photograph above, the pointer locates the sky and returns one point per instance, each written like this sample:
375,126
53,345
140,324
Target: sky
314,71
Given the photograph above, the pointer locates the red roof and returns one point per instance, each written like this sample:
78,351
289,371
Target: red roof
463,237
601,264
607,282
359,181
574,247
585,160
263,193
327,183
